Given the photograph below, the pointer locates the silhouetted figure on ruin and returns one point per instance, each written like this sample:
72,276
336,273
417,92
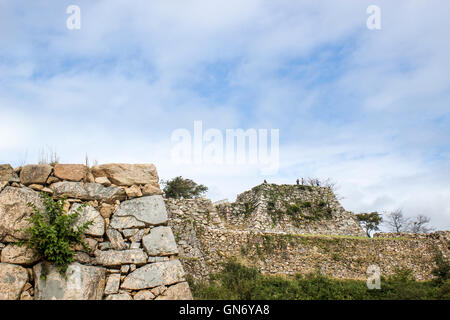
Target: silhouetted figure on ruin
298,181
265,181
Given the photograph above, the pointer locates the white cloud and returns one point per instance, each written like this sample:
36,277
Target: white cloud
368,109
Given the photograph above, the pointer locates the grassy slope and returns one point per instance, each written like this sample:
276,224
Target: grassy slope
237,282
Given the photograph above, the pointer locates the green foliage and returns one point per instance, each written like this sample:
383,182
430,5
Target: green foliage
52,233
293,209
369,221
237,282
306,204
268,244
278,207
179,187
442,271
248,208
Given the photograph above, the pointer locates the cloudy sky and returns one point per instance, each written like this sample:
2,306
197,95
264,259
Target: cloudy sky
367,108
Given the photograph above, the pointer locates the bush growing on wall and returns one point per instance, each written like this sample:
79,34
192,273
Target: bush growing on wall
52,233
179,187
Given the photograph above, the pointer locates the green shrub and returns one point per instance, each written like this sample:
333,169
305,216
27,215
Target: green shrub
306,204
237,282
293,209
442,271
52,233
179,187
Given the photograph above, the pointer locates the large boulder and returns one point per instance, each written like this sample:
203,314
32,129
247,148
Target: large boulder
179,291
116,258
82,283
88,191
154,274
71,172
14,211
12,281
7,174
35,173
160,242
127,174
143,211
88,213
19,255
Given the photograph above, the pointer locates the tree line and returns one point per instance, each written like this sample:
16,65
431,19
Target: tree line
395,221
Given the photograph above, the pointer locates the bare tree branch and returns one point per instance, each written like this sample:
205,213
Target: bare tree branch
396,221
419,225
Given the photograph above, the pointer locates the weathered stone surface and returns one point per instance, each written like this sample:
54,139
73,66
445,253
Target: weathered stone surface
113,283
144,295
116,239
103,180
82,283
88,213
137,237
153,275
88,191
52,180
71,172
117,258
125,222
92,243
82,257
47,190
133,192
160,242
127,174
150,210
135,245
119,296
26,296
129,232
158,290
35,173
19,255
90,177
157,259
14,211
3,184
36,187
12,280
106,210
179,291
7,174
104,245
124,269
151,190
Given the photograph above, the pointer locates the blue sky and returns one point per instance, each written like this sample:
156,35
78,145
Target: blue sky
368,109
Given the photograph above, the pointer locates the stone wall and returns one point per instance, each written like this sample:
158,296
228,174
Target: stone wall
290,209
207,238
132,251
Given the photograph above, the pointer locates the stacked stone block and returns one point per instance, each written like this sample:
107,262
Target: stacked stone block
133,253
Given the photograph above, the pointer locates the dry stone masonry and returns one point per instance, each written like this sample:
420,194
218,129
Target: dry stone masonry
293,229
133,254
140,245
